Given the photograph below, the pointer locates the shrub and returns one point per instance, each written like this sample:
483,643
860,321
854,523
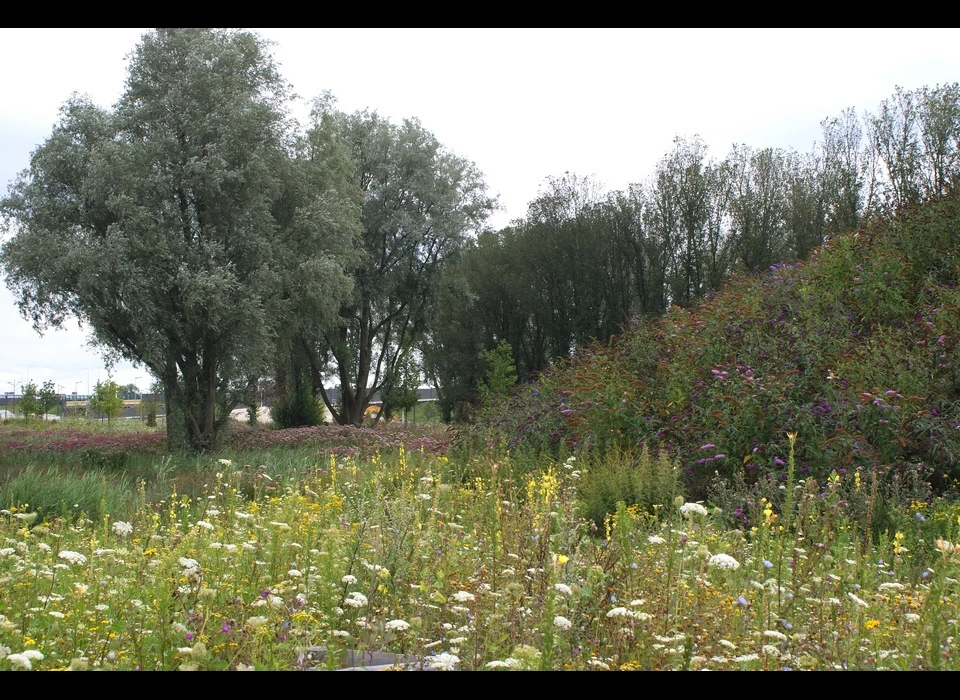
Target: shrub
298,408
622,476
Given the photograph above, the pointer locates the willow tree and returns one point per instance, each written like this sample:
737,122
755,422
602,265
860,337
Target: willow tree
171,225
420,202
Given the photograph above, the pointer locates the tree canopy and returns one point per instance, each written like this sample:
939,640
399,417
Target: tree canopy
419,203
185,226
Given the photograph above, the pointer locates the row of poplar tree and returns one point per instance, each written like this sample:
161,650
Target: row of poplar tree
583,263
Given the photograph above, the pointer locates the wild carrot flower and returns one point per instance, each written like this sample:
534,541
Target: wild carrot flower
73,557
859,601
397,625
692,509
562,622
19,661
443,662
122,528
723,561
463,596
355,599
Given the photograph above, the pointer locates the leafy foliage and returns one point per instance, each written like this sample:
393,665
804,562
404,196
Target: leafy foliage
47,399
107,398
419,201
179,225
853,351
298,408
400,392
501,373
29,404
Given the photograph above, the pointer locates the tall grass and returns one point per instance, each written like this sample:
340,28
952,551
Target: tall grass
402,554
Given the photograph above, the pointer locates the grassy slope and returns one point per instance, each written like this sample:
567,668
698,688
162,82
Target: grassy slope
853,350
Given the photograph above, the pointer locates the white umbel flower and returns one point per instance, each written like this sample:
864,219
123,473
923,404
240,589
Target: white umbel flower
443,662
122,528
723,561
72,557
693,509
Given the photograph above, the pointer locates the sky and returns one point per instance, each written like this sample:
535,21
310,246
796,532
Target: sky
523,104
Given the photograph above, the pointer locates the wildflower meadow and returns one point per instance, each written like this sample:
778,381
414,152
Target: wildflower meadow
765,482
479,565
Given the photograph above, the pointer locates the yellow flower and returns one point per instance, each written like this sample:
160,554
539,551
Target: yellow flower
870,624
793,438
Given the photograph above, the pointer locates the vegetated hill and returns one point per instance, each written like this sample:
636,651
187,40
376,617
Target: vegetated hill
854,350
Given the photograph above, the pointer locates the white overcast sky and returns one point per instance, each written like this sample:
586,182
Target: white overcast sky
522,104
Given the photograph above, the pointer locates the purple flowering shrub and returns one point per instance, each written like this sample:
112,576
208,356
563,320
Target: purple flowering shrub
853,350
65,439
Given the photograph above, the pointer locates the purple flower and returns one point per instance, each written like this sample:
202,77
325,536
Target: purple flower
708,446
767,564
742,601
720,456
189,636
779,462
